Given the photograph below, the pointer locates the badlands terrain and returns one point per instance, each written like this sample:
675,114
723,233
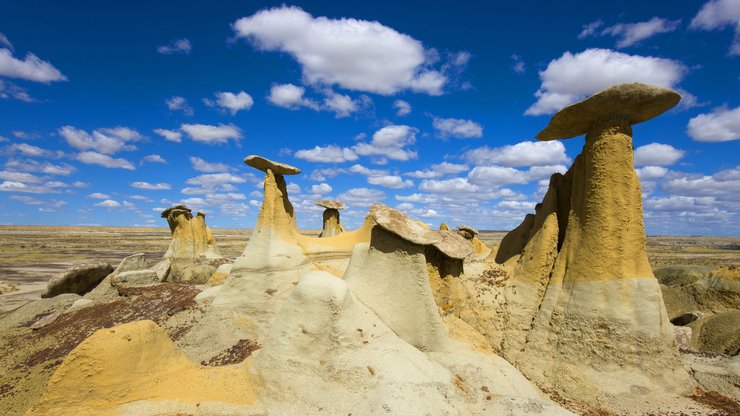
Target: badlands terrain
574,311
30,255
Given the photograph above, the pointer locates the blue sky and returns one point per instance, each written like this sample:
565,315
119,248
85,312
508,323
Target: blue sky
112,111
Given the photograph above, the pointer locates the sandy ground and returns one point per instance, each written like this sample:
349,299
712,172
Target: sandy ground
30,255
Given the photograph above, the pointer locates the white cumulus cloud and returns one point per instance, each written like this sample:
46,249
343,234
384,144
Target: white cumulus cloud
717,14
177,46
362,196
355,54
234,102
203,166
208,134
322,188
177,103
402,107
721,125
458,128
496,175
153,159
657,154
290,96
106,140
631,33
169,135
574,76
30,68
520,154
390,142
100,159
390,181
327,154
151,186
438,169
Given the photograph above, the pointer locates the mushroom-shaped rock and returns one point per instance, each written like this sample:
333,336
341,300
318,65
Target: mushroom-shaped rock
274,242
467,231
633,103
263,164
398,223
332,225
453,245
392,275
582,279
193,248
330,204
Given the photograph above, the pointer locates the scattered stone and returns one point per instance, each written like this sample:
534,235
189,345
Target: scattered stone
79,304
683,336
219,276
77,279
135,278
131,263
46,320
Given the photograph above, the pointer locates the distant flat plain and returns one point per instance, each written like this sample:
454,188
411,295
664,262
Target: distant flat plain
30,255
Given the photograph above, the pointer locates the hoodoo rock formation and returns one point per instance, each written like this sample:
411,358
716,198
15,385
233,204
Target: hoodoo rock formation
390,275
332,225
277,254
582,282
470,233
192,253
393,317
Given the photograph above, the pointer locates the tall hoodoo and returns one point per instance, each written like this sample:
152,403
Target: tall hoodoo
582,278
274,241
332,225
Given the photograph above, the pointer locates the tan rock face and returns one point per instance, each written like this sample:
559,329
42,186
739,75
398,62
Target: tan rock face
331,225
605,236
582,281
193,247
191,238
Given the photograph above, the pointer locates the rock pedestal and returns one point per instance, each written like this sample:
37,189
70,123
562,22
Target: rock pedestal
582,282
192,252
331,225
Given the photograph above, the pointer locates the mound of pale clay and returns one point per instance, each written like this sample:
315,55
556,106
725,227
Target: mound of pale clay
324,339
193,254
719,333
77,279
681,275
136,369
